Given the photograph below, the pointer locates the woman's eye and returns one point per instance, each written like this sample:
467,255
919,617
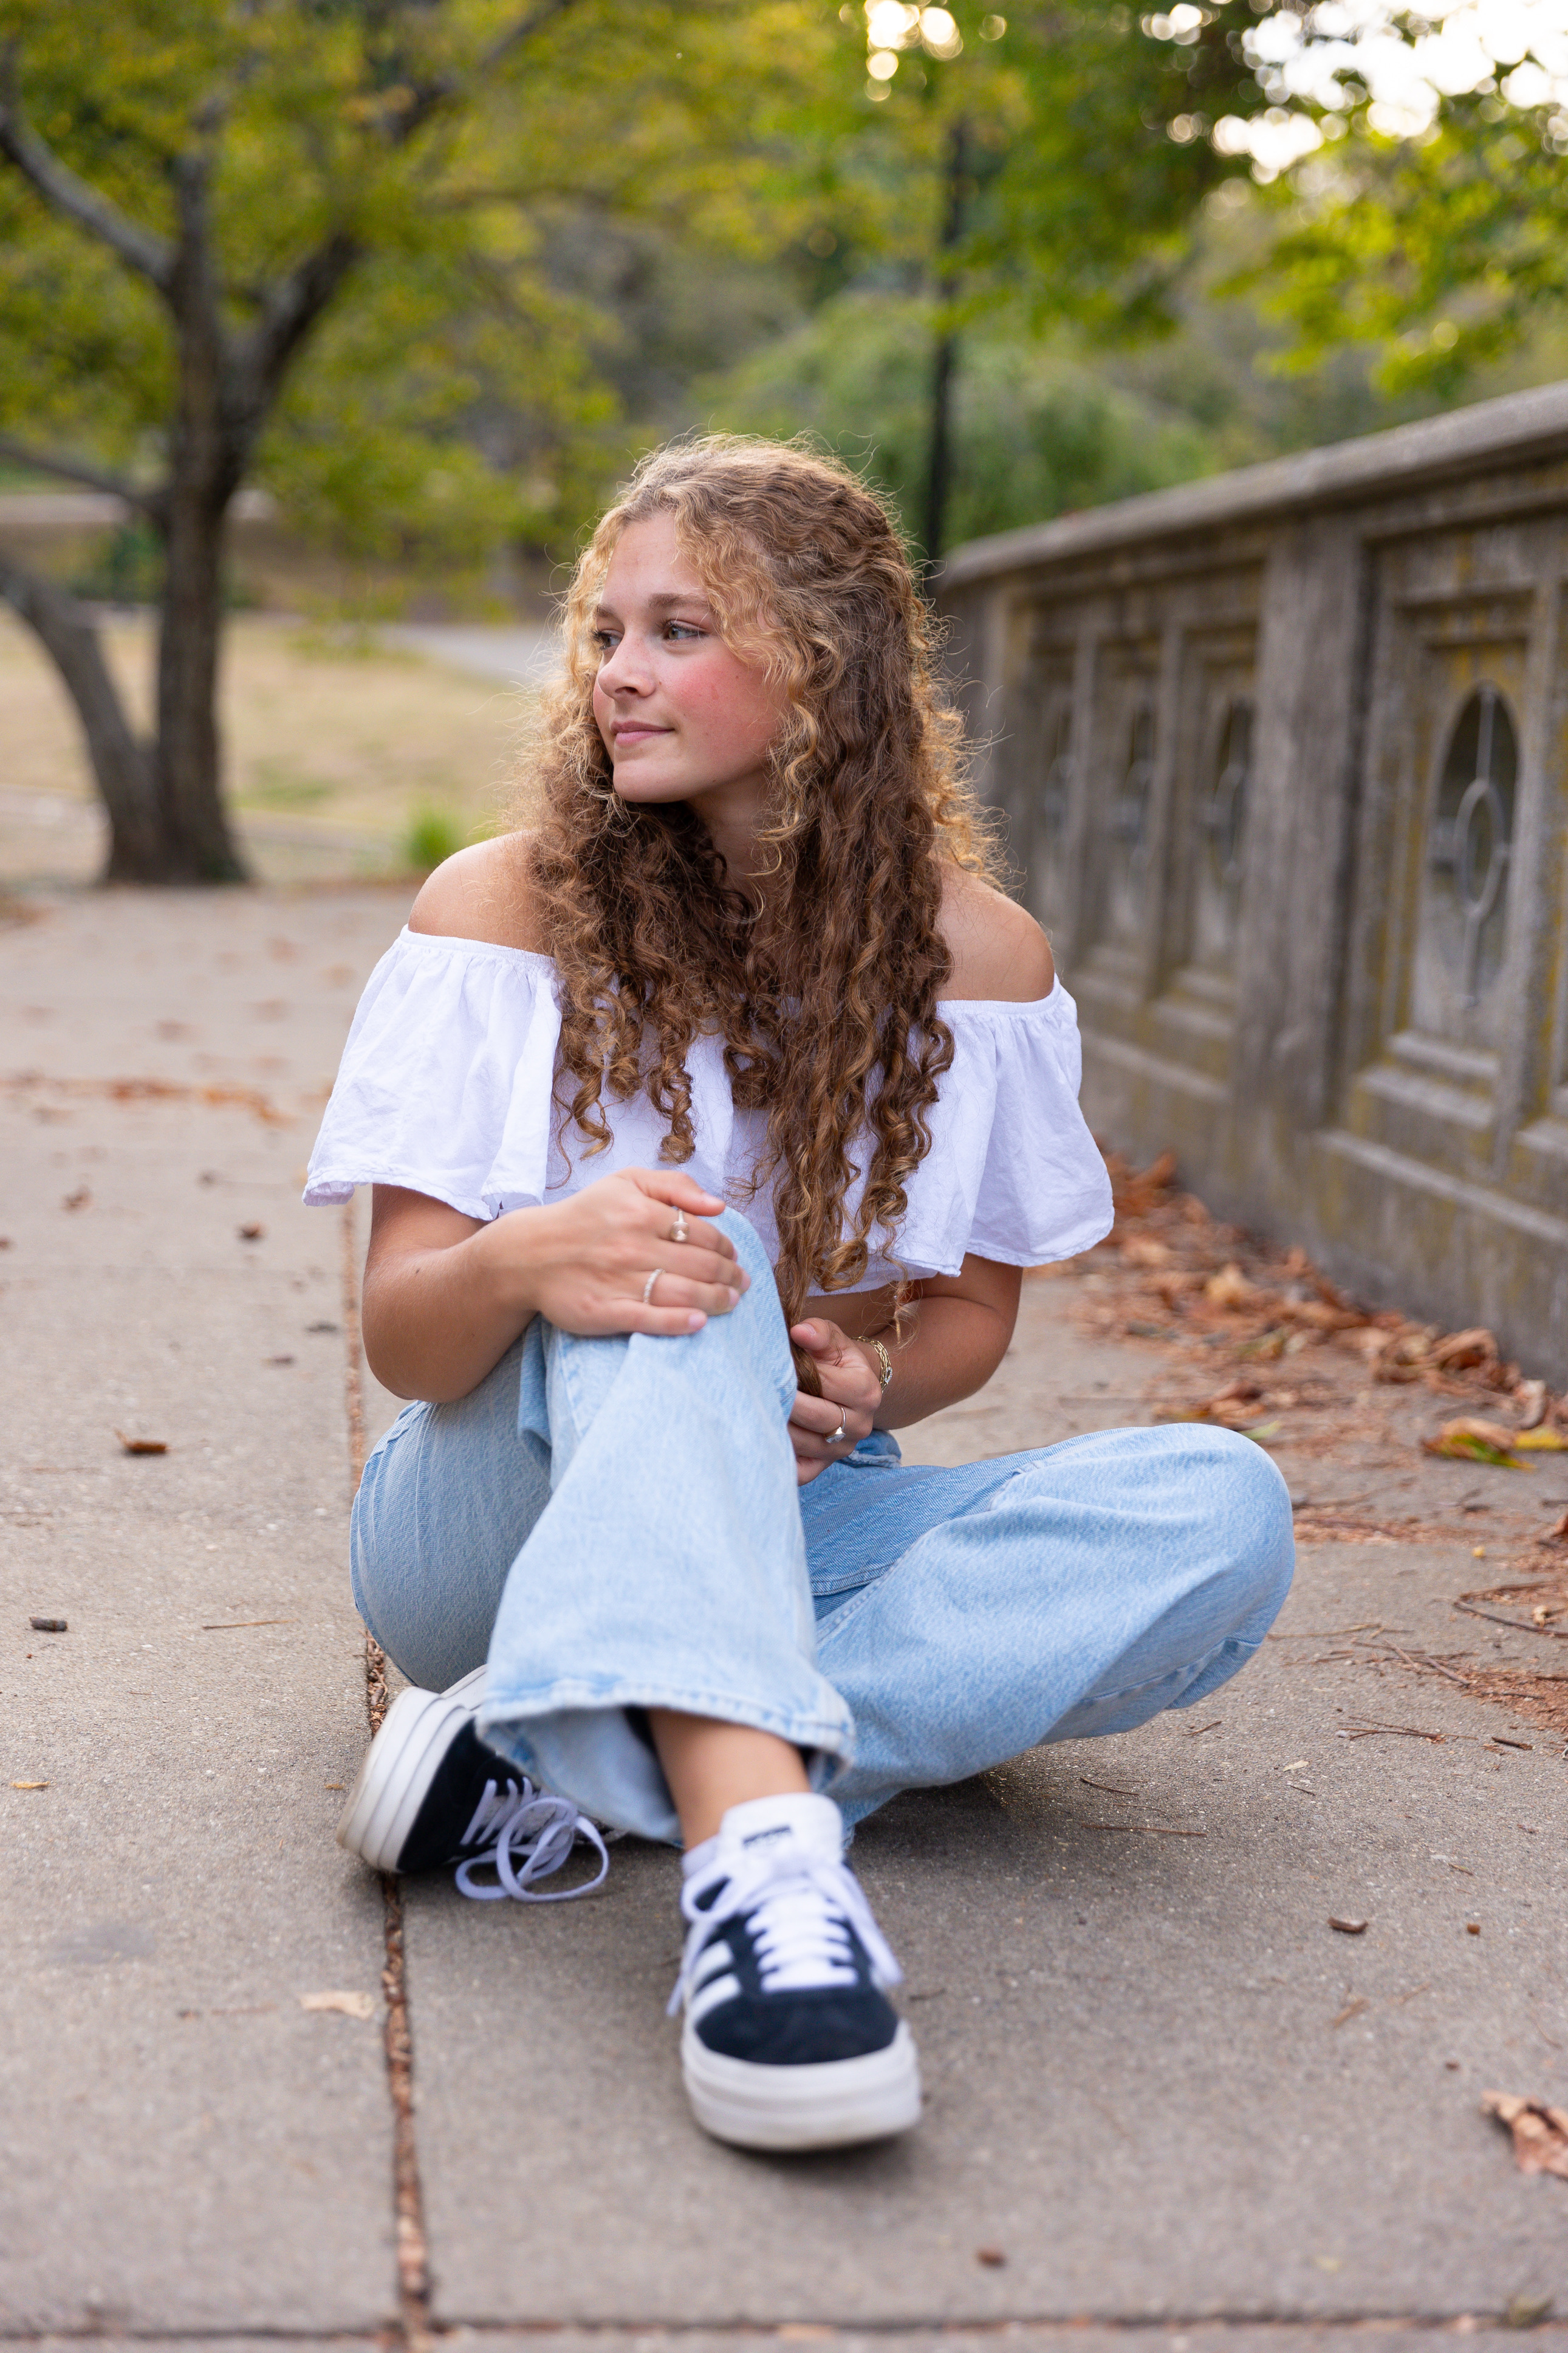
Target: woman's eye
604,640
683,629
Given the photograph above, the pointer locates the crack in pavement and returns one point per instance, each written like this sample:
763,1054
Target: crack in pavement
408,2195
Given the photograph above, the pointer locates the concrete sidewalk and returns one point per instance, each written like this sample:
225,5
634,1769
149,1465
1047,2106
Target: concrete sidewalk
1164,2093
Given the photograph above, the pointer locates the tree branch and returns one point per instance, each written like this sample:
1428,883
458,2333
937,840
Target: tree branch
290,309
523,30
91,477
149,255
430,97
121,764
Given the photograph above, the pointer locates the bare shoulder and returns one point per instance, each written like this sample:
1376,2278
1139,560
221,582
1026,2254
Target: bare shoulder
485,893
998,950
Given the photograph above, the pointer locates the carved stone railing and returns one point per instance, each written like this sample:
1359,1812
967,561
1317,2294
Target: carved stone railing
1283,759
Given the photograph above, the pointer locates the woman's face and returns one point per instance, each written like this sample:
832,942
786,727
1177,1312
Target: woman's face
683,719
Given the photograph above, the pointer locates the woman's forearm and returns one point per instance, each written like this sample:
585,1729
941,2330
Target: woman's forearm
438,1319
953,1349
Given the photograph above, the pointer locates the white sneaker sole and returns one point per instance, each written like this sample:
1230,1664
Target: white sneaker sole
402,1762
828,2106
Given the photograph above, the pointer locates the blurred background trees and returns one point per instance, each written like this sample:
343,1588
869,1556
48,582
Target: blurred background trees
429,273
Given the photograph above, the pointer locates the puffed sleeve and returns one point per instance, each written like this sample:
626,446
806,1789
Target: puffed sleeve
446,1081
1014,1173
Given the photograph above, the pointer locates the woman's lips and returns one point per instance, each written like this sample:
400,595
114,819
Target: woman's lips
634,734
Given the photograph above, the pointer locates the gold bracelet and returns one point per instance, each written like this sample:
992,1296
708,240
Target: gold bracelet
884,1361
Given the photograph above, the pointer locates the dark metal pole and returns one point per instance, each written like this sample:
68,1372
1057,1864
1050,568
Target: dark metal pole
944,355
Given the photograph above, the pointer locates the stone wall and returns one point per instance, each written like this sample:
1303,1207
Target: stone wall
1283,759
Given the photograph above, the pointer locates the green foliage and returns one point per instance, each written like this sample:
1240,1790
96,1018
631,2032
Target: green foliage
1038,432
434,835
453,398
1441,253
1077,201
126,568
1431,226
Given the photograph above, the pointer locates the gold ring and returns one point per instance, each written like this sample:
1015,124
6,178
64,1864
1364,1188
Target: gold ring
648,1286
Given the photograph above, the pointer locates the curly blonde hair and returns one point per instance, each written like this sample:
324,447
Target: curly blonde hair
825,995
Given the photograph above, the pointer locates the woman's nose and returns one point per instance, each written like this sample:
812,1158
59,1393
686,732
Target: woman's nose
624,671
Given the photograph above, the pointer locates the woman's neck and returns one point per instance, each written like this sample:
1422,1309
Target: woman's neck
734,817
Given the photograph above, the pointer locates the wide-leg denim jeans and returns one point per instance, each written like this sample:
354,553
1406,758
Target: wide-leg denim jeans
613,1524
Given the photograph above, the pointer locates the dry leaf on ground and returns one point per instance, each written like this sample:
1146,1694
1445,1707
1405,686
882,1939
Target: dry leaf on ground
1228,1287
1540,1441
1470,1440
142,1445
1540,2131
352,2005
1347,1928
1462,1350
1532,1399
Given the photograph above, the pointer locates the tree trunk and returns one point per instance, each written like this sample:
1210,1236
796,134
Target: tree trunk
121,763
198,844
944,358
939,472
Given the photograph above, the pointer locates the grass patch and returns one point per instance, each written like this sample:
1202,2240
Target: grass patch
434,835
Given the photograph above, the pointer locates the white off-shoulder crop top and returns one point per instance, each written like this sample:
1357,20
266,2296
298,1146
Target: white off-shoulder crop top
448,1087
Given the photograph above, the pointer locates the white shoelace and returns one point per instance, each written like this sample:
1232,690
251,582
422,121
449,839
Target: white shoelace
800,1907
532,1835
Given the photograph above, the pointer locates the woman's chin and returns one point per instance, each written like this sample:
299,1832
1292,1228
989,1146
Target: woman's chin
640,788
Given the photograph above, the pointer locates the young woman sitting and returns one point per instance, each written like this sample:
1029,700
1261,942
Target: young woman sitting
710,1124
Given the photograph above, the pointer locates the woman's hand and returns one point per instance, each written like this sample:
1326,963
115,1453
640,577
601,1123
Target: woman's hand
851,1392
584,1262
446,1295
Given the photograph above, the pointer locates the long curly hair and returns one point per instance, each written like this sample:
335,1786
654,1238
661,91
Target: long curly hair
825,993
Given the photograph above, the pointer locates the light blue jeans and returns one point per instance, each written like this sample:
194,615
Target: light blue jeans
614,1525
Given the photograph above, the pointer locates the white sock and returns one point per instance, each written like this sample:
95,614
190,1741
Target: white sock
761,1822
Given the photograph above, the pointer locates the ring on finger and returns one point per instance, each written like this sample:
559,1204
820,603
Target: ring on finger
837,1437
677,1231
648,1286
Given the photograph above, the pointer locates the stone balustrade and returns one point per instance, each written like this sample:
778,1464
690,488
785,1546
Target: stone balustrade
1283,762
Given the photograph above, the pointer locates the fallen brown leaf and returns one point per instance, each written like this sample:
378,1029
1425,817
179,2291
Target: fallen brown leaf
1462,1350
993,2256
1532,1399
1230,1287
1403,1356
142,1445
252,1233
1468,1438
352,2005
1347,1928
29,1784
1540,2131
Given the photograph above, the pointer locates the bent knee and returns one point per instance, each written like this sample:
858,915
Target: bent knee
1245,1507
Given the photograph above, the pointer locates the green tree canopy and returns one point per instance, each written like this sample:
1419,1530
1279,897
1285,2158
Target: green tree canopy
303,240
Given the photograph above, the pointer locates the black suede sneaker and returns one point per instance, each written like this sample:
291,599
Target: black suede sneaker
790,2041
430,1794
